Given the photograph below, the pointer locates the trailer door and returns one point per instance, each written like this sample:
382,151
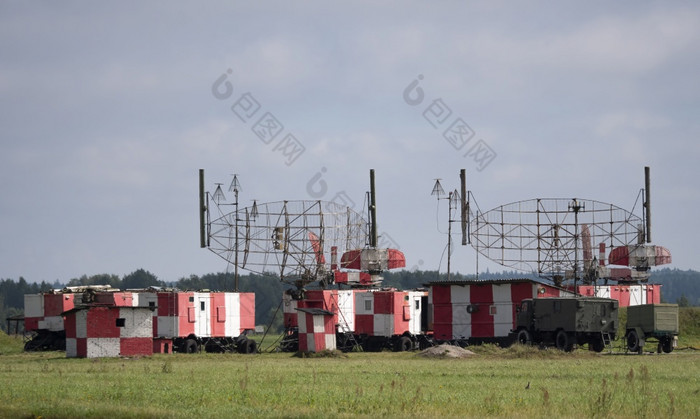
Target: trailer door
202,308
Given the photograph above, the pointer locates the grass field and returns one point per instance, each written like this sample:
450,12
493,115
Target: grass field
514,382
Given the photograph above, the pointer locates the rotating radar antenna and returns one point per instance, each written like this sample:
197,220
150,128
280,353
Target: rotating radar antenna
555,238
291,239
552,237
287,238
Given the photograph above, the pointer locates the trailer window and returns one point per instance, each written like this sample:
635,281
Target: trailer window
202,306
121,322
368,305
493,310
417,304
191,299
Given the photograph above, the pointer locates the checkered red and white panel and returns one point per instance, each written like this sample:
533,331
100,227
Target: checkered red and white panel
316,332
109,331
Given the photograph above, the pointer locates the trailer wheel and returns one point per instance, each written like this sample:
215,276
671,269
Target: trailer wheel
524,337
667,344
634,343
190,346
403,344
564,342
248,347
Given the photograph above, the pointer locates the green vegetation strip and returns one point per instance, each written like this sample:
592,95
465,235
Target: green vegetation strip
514,382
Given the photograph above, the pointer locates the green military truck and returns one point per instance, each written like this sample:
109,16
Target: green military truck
566,322
658,322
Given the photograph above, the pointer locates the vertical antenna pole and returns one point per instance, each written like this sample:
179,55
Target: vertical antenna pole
465,212
372,211
647,201
202,211
449,233
235,260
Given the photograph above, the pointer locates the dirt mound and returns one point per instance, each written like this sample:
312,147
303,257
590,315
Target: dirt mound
446,351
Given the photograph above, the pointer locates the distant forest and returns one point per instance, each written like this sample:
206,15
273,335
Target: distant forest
682,287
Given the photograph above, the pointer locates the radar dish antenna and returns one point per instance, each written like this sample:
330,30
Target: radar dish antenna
287,238
542,235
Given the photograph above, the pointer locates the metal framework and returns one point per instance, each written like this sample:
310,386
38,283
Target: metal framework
551,236
288,238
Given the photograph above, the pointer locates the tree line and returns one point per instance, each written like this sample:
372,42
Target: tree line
682,287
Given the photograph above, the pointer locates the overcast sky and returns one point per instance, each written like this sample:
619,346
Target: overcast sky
107,111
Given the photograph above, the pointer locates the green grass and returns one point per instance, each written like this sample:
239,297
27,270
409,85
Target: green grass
689,324
10,345
514,382
491,383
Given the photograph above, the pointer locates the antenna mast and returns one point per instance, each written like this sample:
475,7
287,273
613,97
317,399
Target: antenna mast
372,211
647,202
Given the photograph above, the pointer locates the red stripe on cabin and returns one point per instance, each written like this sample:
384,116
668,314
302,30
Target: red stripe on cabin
624,295
482,320
442,311
185,311
247,310
615,292
218,315
401,311
441,294
653,294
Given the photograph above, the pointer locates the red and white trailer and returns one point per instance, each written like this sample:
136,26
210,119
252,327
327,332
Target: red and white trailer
43,316
390,319
626,294
181,321
374,319
214,321
469,312
95,331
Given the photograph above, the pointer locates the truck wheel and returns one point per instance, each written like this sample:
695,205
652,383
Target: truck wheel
597,345
667,345
524,337
564,342
634,344
190,346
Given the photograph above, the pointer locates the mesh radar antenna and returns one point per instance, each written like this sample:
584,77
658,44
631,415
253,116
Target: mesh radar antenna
290,238
554,238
